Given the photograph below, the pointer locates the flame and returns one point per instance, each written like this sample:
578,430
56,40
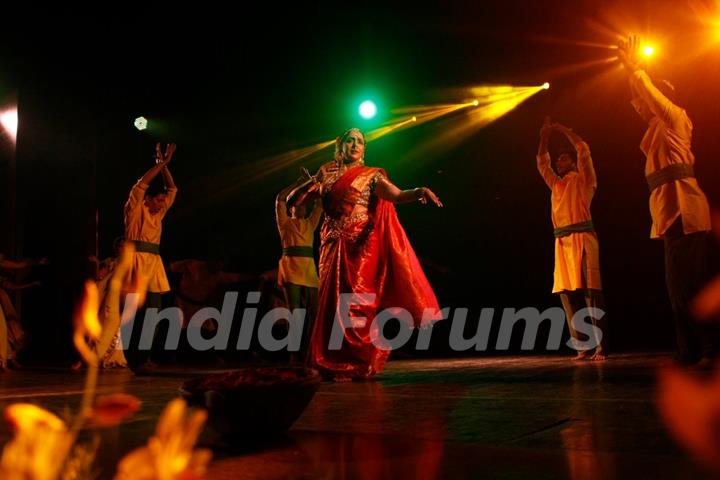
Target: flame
89,311
170,454
26,416
87,324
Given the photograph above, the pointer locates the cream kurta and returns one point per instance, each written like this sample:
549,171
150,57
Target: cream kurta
667,142
297,232
141,225
570,200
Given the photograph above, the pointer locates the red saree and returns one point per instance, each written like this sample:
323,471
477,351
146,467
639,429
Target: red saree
364,250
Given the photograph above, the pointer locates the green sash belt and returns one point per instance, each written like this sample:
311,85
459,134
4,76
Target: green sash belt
146,247
574,228
298,252
676,171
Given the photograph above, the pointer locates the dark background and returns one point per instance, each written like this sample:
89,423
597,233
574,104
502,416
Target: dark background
235,90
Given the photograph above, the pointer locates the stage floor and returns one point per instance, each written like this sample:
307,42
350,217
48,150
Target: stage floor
501,417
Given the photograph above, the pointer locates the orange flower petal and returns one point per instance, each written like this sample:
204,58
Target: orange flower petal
112,409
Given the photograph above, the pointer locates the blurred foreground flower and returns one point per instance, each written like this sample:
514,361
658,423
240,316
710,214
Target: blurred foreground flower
169,455
40,445
690,406
43,446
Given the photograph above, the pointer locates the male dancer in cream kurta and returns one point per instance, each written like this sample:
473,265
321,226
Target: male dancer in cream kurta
144,212
577,254
678,207
297,275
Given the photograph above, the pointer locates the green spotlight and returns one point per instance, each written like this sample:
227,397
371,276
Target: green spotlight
367,109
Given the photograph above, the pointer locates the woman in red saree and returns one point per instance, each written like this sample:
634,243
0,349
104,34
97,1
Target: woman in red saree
363,250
